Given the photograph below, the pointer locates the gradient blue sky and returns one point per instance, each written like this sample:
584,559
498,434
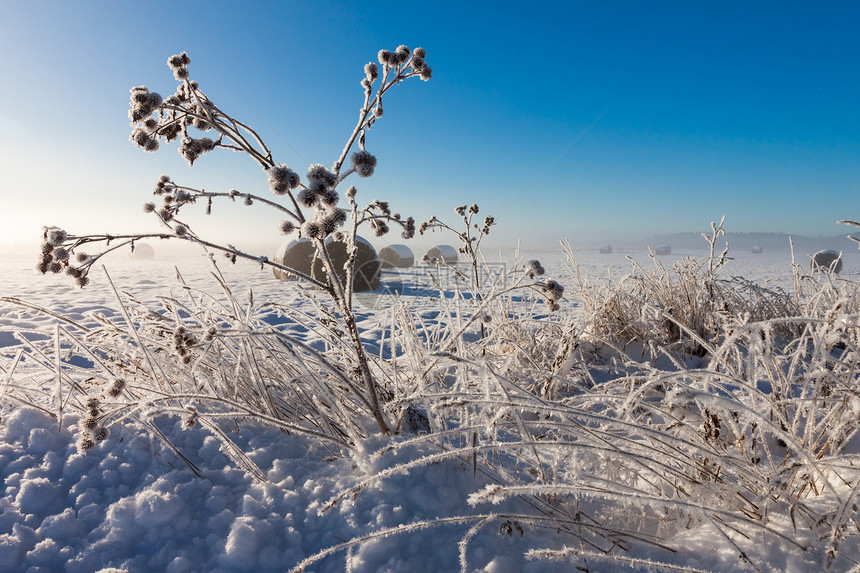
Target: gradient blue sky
589,120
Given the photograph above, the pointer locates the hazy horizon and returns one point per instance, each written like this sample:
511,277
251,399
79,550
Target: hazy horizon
609,122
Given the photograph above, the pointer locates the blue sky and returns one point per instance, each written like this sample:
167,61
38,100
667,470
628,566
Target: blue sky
594,121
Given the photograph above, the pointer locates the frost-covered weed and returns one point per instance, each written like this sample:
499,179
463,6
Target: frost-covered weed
312,208
753,438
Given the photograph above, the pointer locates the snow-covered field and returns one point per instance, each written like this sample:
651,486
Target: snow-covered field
131,504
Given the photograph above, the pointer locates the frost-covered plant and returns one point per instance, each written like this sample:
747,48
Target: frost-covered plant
470,238
754,440
311,206
683,309
206,360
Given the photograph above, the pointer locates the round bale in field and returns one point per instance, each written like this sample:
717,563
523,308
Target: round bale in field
663,250
366,268
396,256
297,254
441,254
757,249
605,249
826,261
142,252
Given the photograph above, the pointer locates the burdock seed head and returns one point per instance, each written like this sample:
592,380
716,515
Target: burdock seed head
534,269
86,443
117,387
364,163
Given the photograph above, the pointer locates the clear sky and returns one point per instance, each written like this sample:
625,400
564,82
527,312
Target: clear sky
588,120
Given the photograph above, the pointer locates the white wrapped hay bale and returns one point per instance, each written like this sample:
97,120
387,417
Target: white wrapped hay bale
396,256
297,254
366,268
826,261
663,250
757,250
142,252
445,254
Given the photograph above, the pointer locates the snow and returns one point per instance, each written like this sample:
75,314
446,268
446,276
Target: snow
130,505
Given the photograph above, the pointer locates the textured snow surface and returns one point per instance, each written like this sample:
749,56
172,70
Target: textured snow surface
129,506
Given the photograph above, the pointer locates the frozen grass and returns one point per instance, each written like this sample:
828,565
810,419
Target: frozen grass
740,421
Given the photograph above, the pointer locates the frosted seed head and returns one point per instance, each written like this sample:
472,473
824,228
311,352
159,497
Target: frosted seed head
287,227
201,124
177,61
552,290
329,197
420,52
351,192
408,228
363,157
281,178
426,73
534,269
334,219
85,444
318,172
61,254
384,57
148,207
311,229
371,71
328,226
206,143
140,137
278,187
180,74
117,387
154,100
101,434
380,228
364,163
306,198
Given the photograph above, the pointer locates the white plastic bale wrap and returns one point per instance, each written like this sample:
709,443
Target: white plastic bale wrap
442,254
396,256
